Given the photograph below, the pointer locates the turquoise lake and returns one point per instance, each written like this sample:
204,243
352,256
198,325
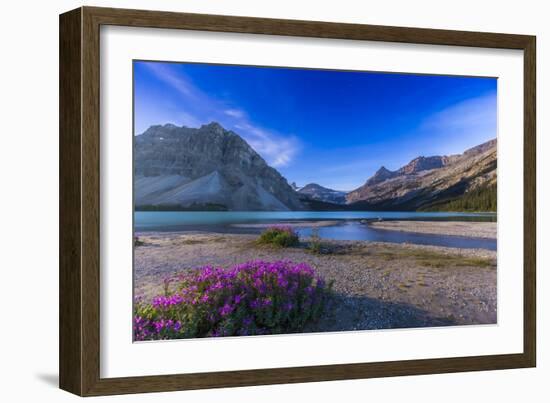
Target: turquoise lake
348,224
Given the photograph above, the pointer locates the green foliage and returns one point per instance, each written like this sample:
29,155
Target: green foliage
479,199
315,244
280,235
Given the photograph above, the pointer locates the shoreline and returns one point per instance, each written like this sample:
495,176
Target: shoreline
472,229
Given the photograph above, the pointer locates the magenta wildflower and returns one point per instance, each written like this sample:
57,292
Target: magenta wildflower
226,310
243,300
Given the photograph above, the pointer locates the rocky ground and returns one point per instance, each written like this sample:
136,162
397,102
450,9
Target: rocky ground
376,285
457,228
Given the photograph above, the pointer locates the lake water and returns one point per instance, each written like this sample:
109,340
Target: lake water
348,226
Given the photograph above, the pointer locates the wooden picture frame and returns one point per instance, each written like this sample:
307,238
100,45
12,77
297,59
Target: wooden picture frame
79,279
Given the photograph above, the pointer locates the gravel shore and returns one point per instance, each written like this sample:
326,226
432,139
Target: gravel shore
457,228
376,285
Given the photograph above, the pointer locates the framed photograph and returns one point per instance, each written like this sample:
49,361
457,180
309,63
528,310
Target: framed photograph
249,201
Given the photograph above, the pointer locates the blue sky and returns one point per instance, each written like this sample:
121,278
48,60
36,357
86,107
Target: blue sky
335,128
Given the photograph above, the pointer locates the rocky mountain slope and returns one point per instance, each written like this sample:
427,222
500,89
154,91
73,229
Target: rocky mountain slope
432,182
208,168
320,193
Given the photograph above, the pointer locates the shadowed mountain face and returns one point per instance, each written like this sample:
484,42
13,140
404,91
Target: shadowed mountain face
432,182
208,168
318,192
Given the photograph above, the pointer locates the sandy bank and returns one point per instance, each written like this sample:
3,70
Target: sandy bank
457,228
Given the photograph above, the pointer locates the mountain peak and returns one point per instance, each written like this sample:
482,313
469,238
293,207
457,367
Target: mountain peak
380,176
321,193
206,166
313,185
422,164
213,126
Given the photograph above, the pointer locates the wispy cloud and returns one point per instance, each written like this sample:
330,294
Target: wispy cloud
176,81
280,149
235,113
277,149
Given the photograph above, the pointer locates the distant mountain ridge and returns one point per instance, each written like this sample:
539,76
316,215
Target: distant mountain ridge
205,168
416,165
211,168
431,182
318,192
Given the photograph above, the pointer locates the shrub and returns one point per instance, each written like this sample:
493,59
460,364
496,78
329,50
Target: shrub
251,298
315,244
279,235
